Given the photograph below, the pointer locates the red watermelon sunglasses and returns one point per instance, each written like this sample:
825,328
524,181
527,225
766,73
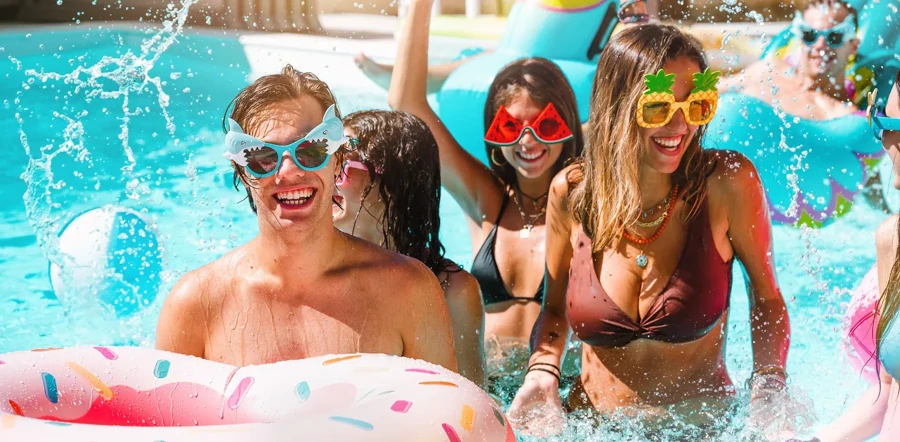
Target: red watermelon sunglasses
548,128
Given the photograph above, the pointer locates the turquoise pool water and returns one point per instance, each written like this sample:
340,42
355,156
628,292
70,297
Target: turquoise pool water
181,182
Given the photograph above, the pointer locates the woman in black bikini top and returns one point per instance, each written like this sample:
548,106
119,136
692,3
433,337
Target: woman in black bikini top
532,130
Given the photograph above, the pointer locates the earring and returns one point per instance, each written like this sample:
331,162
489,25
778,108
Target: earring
494,159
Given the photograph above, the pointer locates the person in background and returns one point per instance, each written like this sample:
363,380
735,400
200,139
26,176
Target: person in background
532,132
389,193
814,86
300,288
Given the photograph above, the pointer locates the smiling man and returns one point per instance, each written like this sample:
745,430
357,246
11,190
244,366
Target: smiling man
301,288
812,87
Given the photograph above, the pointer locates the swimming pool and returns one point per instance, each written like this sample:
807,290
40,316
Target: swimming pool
182,183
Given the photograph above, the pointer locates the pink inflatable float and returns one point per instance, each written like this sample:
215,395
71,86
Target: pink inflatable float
137,394
859,327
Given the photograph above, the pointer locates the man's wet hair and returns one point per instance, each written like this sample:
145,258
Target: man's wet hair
838,4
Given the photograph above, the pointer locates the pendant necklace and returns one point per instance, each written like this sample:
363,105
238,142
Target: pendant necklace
642,259
529,220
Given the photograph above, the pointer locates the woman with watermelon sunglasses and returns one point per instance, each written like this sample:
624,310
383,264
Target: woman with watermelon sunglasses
533,132
641,239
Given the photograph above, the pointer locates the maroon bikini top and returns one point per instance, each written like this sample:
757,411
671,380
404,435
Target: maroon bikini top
689,306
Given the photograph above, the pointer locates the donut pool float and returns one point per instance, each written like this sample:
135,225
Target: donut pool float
138,394
859,328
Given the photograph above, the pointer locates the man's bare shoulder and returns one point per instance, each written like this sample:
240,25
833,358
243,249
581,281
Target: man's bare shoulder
206,283
384,269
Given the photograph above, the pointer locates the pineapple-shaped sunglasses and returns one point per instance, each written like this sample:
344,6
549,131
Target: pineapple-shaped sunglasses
657,105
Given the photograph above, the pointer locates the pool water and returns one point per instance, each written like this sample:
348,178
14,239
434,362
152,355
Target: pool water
180,181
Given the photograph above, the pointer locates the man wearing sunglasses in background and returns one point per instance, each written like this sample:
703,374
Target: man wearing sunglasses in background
813,86
300,288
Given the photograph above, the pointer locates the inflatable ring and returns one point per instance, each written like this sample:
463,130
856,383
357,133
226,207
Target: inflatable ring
128,393
859,328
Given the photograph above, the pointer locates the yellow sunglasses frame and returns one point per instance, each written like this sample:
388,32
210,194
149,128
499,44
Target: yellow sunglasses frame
684,106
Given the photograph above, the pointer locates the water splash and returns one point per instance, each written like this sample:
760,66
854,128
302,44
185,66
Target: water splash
129,74
119,79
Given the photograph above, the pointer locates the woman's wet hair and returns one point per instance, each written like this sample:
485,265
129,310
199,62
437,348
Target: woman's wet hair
889,301
543,82
260,100
404,166
606,193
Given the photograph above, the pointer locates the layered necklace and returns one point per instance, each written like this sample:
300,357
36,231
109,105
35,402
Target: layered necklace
539,206
662,221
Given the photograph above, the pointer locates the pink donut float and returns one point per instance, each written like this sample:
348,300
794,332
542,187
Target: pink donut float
859,327
139,394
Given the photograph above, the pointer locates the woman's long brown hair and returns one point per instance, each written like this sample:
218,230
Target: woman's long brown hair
606,197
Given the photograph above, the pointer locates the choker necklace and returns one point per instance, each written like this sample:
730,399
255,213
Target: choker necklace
652,210
535,202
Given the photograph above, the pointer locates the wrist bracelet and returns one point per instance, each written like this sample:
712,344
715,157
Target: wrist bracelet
770,381
769,369
558,380
546,365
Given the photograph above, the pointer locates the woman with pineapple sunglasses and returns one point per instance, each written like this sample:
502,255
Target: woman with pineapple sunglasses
642,235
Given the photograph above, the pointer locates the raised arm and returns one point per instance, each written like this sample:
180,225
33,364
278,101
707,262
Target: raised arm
864,419
750,231
551,331
467,317
428,333
468,180
181,327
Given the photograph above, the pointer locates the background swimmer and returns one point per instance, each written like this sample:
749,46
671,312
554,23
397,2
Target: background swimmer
389,193
504,205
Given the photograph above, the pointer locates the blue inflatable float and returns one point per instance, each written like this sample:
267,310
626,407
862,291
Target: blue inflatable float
571,33
812,170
